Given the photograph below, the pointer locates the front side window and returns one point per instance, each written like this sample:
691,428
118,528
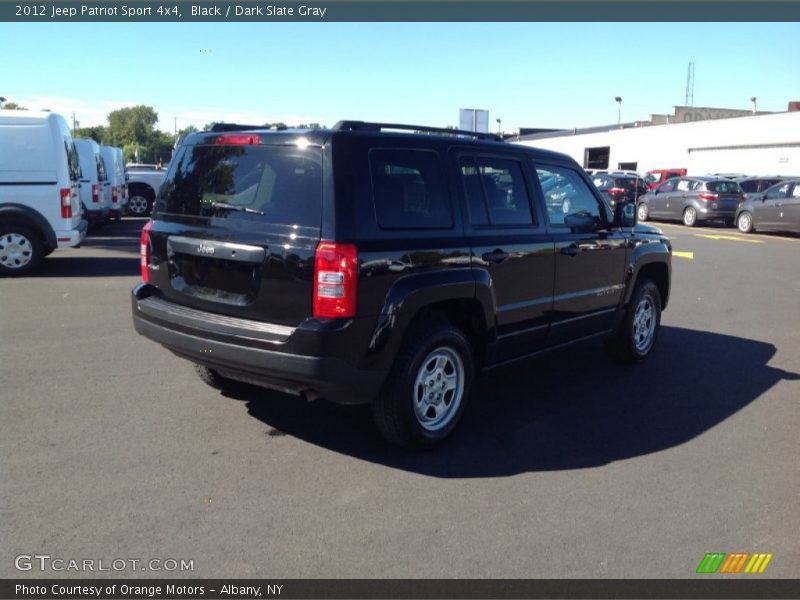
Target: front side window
565,193
495,191
779,192
408,190
667,186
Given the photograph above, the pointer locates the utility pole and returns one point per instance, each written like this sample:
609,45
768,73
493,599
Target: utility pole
689,99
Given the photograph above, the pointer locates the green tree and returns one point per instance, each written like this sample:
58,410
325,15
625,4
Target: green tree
134,125
13,106
96,133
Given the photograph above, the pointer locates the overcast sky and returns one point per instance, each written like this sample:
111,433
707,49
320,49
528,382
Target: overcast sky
526,74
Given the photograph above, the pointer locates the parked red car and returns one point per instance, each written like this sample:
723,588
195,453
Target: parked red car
656,177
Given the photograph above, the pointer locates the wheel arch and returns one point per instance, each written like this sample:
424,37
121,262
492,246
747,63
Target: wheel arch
32,219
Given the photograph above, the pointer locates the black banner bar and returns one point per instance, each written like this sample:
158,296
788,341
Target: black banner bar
104,11
708,586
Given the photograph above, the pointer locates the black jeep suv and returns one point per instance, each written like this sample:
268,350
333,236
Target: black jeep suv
387,264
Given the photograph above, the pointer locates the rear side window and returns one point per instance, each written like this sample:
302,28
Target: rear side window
72,160
284,183
101,168
724,187
495,191
625,183
408,190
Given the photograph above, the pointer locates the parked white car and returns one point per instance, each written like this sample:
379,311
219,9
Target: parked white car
92,182
40,207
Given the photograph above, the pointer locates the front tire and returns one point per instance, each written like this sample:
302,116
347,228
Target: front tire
638,331
744,222
690,216
21,250
426,393
642,212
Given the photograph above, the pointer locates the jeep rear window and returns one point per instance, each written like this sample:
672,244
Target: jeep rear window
285,183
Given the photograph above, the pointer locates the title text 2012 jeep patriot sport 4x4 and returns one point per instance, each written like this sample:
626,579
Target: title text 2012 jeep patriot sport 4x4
367,264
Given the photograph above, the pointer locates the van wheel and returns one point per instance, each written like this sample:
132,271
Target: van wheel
426,393
211,378
689,216
638,331
20,250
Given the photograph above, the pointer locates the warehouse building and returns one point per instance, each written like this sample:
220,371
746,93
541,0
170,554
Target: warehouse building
754,144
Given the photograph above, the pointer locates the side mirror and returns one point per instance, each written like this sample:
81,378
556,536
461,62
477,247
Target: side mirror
624,215
580,222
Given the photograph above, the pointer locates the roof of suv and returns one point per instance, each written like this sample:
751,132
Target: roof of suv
318,137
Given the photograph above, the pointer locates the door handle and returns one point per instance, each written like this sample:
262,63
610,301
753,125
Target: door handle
497,256
571,250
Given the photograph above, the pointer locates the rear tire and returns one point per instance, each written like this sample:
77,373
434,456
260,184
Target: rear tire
213,379
637,334
642,212
690,216
21,250
425,395
744,222
140,204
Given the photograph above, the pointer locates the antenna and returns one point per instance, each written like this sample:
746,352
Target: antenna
689,100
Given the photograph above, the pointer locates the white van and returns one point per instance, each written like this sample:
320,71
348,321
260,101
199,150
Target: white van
93,179
115,182
40,209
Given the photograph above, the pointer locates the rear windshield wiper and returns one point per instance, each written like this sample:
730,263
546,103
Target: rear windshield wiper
223,206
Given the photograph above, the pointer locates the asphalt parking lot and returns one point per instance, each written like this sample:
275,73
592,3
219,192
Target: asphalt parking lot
569,466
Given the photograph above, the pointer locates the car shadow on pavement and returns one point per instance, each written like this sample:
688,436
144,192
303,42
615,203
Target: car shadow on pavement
87,266
569,410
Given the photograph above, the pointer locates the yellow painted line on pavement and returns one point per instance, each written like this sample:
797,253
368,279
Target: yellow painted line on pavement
733,238
689,255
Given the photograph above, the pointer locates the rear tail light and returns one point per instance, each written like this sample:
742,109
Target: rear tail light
144,251
615,191
95,193
708,197
66,203
237,139
114,198
335,278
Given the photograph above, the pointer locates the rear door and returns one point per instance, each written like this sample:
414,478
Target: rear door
590,265
510,243
235,228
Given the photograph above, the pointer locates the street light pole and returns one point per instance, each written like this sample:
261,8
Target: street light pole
618,100
753,100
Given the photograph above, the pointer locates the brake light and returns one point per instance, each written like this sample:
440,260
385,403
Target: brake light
95,193
708,197
144,251
66,203
335,278
114,199
615,191
237,139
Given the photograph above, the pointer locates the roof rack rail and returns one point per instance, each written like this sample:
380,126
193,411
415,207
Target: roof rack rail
216,127
366,126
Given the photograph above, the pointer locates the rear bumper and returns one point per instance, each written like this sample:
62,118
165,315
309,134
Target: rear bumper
709,214
96,214
72,237
244,354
